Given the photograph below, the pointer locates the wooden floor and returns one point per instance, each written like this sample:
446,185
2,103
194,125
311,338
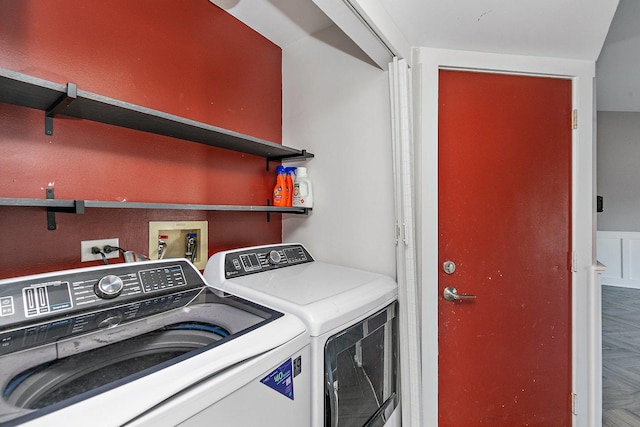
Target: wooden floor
620,357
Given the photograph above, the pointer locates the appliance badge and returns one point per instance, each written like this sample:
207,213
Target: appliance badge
281,380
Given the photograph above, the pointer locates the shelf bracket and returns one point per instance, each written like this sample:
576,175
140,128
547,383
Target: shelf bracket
59,106
77,208
304,155
268,204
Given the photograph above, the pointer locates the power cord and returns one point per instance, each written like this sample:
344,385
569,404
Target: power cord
108,249
96,250
129,256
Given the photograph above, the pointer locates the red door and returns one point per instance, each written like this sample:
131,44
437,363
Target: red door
505,224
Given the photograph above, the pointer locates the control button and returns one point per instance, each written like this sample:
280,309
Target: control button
6,341
6,306
109,287
274,257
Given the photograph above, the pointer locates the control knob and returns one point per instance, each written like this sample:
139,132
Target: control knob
274,257
109,287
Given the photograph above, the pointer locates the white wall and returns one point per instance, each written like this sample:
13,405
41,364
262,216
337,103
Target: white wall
618,66
618,171
336,105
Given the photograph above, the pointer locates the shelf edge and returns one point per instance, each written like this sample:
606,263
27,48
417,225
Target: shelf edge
102,204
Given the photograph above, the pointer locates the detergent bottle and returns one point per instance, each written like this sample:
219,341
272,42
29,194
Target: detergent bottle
279,189
288,187
302,190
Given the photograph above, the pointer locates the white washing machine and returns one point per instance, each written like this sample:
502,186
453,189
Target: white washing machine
350,315
146,344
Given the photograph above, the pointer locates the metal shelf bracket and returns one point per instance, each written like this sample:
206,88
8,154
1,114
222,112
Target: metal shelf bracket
304,155
77,208
268,201
59,106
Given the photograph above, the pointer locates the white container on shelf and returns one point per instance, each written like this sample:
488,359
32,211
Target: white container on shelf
302,189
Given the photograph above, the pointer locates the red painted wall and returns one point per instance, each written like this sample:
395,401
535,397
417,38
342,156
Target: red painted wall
187,58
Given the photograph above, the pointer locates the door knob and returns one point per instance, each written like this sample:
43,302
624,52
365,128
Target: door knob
451,294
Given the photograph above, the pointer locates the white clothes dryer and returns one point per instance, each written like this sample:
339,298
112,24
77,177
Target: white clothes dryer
146,344
350,315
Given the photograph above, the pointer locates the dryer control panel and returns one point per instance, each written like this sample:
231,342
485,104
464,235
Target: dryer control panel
264,258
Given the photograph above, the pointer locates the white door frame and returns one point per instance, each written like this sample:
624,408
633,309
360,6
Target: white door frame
586,361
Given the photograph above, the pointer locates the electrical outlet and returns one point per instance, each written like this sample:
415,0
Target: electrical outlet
86,245
179,239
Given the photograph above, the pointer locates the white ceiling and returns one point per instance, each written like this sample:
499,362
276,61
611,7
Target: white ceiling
574,29
559,28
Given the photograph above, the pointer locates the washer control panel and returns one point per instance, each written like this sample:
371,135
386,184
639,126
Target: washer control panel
43,308
264,258
94,288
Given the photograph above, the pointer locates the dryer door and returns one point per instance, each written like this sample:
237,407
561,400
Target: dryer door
361,372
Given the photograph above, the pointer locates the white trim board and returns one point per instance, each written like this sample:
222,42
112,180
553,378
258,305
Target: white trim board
619,251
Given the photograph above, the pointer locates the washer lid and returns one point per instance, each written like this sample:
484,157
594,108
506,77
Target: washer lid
257,347
323,295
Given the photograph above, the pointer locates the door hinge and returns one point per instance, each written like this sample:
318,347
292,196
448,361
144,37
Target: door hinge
574,119
574,398
574,262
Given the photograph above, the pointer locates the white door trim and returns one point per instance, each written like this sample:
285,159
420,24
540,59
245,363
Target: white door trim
586,355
